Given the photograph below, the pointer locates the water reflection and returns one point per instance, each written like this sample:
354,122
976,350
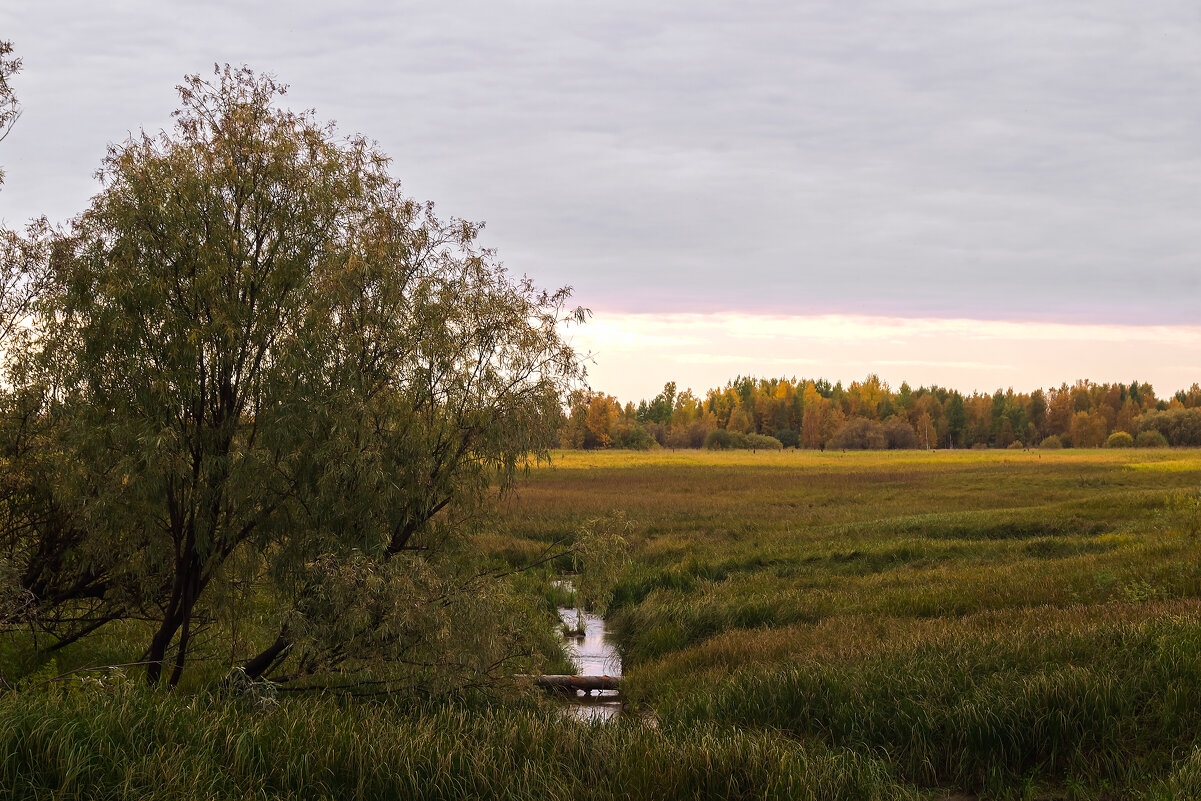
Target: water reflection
596,656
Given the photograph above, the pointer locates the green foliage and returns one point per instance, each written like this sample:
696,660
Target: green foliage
762,443
788,438
599,554
721,439
10,108
1119,439
635,438
1179,427
1150,438
1052,442
266,399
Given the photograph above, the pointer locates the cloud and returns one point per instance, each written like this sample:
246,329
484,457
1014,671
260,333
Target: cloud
1004,160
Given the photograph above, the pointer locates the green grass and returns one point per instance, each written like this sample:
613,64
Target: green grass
1016,624
1071,698
128,743
801,625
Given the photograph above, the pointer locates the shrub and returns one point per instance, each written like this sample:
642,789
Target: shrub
719,440
1016,445
654,430
687,436
1120,439
1151,439
859,434
633,437
762,442
1051,442
899,434
1178,426
788,438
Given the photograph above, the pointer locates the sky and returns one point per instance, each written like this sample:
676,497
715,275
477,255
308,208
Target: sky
975,194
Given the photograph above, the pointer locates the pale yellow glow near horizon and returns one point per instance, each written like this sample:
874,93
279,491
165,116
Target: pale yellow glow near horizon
633,355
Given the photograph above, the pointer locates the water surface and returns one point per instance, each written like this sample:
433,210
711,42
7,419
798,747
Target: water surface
596,656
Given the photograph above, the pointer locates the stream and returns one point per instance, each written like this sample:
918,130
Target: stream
596,656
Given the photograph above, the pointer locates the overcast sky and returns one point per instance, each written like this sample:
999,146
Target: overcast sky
1020,161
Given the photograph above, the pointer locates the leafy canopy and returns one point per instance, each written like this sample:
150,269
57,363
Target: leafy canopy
269,387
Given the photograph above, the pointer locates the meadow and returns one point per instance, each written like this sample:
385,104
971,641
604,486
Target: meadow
797,624
1008,623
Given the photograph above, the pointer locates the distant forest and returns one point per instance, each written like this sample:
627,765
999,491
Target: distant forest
778,413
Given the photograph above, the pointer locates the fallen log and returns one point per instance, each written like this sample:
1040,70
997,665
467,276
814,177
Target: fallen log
570,684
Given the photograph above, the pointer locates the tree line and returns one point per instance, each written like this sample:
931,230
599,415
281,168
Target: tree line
817,414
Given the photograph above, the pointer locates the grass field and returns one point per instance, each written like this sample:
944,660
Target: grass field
1006,623
1000,624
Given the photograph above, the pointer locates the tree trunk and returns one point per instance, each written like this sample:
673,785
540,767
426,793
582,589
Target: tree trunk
158,647
261,663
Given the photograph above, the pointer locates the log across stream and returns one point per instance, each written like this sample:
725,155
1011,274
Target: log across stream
593,693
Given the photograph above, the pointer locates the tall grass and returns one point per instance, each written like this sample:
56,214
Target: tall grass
1087,702
1014,624
803,625
133,744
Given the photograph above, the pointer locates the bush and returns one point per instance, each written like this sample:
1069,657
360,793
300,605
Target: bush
762,443
1178,426
899,434
788,438
859,434
1051,442
689,436
655,431
633,437
1151,439
1120,439
719,440
1016,445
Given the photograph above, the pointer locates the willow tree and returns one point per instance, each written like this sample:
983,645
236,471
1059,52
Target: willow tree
10,108
284,387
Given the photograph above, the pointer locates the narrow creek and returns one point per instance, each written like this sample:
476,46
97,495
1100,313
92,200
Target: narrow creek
596,656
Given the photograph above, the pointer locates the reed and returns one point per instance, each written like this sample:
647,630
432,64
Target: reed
1006,623
985,710
129,743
